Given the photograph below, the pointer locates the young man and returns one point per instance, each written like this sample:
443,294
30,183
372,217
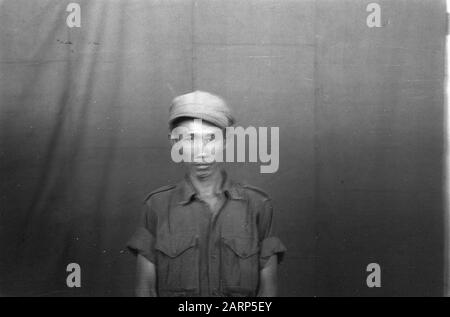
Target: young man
206,235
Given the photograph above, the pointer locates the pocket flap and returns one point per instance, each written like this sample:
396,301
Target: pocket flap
237,291
243,247
176,245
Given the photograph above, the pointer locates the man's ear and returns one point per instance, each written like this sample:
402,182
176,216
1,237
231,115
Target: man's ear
169,138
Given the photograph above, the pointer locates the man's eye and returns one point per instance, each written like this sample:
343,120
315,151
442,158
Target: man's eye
187,137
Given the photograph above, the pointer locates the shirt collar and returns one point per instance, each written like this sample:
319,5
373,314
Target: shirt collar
187,191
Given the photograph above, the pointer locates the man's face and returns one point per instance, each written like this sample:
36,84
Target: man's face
202,140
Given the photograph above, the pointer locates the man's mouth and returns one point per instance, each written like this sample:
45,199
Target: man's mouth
202,165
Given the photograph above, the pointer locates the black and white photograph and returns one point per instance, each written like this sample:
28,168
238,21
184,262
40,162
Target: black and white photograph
224,148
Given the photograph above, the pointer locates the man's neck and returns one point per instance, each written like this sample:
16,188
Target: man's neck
207,186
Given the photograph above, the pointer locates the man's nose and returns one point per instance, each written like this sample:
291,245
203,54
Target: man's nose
201,143
201,152
202,149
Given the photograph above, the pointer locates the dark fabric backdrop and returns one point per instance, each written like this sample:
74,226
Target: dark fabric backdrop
361,114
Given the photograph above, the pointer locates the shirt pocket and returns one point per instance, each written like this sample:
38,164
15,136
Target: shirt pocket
178,265
239,266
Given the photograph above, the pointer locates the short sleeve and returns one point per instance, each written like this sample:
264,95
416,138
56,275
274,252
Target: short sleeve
270,244
143,240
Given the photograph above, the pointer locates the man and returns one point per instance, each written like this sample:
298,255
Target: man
206,235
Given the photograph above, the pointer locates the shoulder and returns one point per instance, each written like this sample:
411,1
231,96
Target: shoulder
255,192
160,192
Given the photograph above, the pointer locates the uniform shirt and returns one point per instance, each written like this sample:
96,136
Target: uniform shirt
200,253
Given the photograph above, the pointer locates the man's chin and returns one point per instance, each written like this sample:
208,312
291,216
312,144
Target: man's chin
202,171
